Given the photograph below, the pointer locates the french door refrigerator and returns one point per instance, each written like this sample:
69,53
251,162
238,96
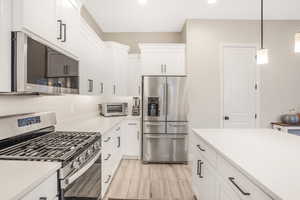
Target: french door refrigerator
165,120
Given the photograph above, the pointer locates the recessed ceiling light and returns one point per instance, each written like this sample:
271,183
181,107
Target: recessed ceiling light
143,2
211,1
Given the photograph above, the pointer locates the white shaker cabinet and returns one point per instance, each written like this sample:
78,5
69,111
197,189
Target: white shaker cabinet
134,75
53,22
91,60
5,42
131,138
47,190
118,64
36,17
68,22
163,59
215,178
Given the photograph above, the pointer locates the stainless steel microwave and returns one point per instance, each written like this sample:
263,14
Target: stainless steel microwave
113,109
37,68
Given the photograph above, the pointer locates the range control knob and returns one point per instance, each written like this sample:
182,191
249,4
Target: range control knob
97,145
89,152
75,165
81,159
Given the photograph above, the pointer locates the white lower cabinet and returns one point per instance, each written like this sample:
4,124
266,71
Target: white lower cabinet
111,156
46,190
226,193
132,139
215,178
204,178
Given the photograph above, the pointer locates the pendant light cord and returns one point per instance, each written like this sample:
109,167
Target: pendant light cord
262,25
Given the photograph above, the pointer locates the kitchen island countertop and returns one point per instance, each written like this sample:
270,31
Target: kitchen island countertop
268,157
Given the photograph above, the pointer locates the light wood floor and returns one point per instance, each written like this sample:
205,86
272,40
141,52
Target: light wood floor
136,181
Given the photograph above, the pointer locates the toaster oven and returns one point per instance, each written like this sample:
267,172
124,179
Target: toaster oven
113,109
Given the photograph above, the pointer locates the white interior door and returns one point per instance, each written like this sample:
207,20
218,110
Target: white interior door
239,87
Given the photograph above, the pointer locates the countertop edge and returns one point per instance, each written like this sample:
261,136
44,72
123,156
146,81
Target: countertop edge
252,178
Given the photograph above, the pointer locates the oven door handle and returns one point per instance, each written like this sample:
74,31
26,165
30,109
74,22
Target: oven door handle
70,179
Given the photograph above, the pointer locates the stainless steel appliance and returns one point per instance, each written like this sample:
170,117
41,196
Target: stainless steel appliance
136,107
165,120
113,109
36,68
33,138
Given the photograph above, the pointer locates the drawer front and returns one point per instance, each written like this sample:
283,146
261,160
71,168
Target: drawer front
200,146
47,190
239,182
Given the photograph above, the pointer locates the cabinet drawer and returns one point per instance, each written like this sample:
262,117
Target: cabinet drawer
48,189
239,182
200,146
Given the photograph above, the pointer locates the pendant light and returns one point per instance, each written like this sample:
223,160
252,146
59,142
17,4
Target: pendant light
297,43
262,53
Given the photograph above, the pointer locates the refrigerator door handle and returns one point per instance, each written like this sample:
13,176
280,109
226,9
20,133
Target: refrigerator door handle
164,100
167,96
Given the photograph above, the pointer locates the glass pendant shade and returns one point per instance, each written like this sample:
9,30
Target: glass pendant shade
297,43
262,56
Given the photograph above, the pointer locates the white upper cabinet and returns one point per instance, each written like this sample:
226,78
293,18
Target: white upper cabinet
163,59
118,65
35,17
5,42
68,17
55,22
91,60
134,75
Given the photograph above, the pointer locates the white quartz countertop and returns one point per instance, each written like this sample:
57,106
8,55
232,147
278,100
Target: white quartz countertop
268,157
95,124
20,177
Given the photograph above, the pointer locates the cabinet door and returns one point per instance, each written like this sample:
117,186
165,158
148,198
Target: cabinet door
5,49
134,75
152,63
38,17
227,194
174,62
207,180
131,138
68,13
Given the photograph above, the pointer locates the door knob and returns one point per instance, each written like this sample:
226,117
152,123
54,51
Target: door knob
226,118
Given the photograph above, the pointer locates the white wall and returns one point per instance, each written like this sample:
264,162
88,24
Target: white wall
280,78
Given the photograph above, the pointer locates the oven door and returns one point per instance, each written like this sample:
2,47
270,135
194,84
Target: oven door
85,184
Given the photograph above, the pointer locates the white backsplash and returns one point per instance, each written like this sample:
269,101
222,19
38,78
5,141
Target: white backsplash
68,108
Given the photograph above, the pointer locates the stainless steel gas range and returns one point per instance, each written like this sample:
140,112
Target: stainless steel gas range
33,137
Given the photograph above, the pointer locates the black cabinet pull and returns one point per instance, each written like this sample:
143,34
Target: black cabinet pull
60,30
198,164
65,32
199,147
119,142
231,179
108,178
200,169
108,157
43,198
107,139
226,118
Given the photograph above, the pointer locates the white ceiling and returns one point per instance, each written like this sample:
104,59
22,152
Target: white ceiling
170,15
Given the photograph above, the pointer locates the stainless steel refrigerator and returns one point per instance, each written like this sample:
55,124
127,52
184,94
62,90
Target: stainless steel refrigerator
165,120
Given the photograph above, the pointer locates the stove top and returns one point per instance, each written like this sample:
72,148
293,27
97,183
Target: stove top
54,146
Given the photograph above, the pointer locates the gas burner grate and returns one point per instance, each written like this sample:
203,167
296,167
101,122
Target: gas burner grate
57,146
